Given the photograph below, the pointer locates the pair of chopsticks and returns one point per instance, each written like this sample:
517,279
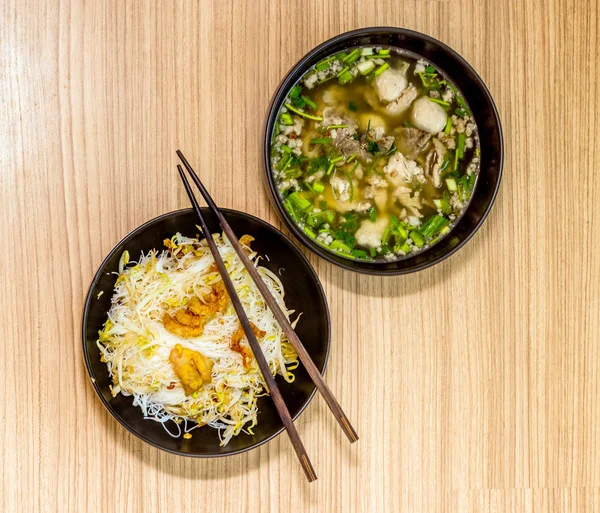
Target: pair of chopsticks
305,358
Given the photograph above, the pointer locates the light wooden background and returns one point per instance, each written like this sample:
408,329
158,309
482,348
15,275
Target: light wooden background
475,385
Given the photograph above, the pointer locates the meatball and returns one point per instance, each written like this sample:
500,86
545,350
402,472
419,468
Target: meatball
390,85
428,115
370,233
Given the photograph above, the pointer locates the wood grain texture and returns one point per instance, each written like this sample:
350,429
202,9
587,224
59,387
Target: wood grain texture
481,390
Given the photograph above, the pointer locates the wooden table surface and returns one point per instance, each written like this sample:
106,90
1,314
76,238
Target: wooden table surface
475,385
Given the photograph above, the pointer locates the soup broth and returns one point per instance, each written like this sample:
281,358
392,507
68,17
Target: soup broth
375,154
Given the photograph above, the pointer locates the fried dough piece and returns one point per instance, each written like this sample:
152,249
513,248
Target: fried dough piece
246,240
214,302
245,351
181,330
189,322
191,367
187,318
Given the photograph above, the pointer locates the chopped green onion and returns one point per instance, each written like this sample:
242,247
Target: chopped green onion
318,218
284,162
440,102
464,184
443,205
373,252
324,64
477,151
330,168
321,140
326,79
286,148
338,245
350,225
433,225
352,56
422,77
394,221
471,182
402,232
309,187
298,203
451,184
385,236
343,71
294,172
383,51
351,158
337,159
354,168
430,69
317,164
365,67
448,125
377,56
295,92
461,101
328,231
406,248
287,119
318,187
303,114
309,232
381,69
417,238
460,145
372,214
345,77
331,127
461,188
309,102
288,206
455,160
360,253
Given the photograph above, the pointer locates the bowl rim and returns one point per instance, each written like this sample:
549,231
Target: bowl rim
88,300
275,104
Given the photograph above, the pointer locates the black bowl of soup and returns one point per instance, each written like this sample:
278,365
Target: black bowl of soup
137,390
383,151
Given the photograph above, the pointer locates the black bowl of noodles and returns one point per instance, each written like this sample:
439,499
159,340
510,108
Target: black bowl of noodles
303,293
285,182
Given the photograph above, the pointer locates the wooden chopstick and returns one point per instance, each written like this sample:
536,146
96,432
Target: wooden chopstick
272,387
305,358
